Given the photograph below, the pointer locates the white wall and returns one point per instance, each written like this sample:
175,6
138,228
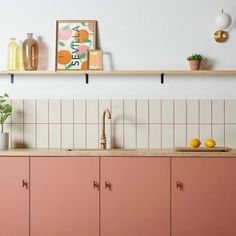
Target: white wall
137,34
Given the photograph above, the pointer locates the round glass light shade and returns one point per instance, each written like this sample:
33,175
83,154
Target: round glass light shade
223,21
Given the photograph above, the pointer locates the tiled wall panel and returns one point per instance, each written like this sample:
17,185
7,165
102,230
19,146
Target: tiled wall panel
134,123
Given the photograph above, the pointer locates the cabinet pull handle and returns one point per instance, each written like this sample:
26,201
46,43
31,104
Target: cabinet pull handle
179,185
95,185
25,184
108,185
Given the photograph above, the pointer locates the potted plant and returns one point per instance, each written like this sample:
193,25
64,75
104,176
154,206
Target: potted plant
5,112
195,61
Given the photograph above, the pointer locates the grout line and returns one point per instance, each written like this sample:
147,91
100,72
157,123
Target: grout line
98,126
73,117
48,126
224,123
36,125
211,120
161,124
148,124
174,123
136,128
86,125
199,115
186,124
23,117
123,123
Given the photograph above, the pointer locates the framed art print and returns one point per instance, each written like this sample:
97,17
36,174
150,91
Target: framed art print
95,59
74,38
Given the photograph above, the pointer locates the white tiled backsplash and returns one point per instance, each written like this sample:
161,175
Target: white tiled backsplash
134,124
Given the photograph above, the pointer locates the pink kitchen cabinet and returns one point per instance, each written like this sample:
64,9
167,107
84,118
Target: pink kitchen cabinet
135,196
203,196
14,196
64,198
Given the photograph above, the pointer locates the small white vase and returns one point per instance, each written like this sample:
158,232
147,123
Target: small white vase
4,140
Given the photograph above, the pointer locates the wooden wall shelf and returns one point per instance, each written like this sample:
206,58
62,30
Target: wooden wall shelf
162,73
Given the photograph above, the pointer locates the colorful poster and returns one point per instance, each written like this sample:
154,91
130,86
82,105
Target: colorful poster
74,40
95,59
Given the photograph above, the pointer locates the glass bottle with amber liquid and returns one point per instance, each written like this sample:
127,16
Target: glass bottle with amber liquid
30,53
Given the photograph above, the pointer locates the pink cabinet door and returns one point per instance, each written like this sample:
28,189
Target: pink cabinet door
14,196
135,196
64,196
204,198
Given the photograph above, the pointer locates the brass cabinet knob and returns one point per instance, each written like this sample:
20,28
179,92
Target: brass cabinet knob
108,185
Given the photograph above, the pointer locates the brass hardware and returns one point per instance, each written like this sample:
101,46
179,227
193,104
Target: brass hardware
179,185
221,36
103,138
95,185
108,186
25,184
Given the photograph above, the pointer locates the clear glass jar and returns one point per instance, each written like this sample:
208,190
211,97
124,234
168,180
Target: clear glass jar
30,53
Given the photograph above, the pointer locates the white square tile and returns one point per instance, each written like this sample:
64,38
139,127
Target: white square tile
142,111
17,111
218,134
205,133
230,111
67,135
30,135
55,136
154,136
129,111
167,136
218,111
205,111
92,111
192,132
230,136
180,136
67,111
9,119
117,136
108,135
80,111
155,111
142,136
42,135
92,136
80,136
117,111
42,111
129,136
17,136
167,112
180,114
103,105
29,111
54,111
192,111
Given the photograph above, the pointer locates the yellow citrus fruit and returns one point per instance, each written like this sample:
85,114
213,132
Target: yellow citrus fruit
210,143
195,142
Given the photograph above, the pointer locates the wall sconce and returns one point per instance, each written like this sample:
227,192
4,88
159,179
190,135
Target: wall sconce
222,21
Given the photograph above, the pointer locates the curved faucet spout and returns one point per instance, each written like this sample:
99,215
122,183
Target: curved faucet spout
103,138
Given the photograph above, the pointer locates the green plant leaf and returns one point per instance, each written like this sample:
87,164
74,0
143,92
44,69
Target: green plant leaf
61,44
87,41
66,27
81,56
69,66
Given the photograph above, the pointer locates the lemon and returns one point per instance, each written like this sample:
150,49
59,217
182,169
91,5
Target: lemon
210,143
195,142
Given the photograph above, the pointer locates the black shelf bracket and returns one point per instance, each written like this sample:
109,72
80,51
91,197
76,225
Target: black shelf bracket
86,78
12,76
162,78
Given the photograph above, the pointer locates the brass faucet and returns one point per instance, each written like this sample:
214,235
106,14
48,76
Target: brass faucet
103,138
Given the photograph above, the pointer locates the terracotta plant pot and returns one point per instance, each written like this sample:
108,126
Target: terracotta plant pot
195,64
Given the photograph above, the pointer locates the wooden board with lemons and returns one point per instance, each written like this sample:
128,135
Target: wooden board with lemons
195,143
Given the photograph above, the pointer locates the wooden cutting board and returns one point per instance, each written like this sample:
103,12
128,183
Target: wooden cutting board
202,149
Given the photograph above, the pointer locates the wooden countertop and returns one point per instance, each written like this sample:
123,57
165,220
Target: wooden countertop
111,152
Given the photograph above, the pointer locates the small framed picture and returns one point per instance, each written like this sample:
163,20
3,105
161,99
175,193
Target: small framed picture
74,38
95,59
